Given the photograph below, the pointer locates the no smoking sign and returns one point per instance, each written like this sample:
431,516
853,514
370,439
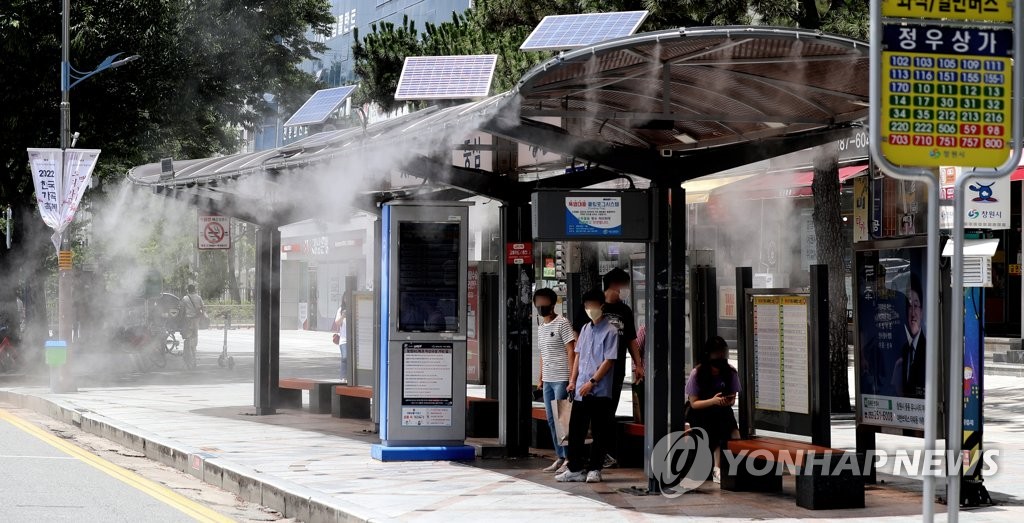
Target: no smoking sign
214,232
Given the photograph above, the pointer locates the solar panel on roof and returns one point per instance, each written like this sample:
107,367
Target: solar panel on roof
446,77
319,107
559,32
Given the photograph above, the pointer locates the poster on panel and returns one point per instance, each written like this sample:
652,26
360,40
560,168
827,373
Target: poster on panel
891,341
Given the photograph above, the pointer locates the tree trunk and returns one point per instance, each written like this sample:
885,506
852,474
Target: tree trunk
831,247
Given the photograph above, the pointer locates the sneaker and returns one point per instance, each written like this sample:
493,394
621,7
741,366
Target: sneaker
610,462
716,475
571,477
563,468
594,476
555,466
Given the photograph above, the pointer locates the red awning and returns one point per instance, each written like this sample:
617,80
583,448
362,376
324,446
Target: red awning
1017,175
786,184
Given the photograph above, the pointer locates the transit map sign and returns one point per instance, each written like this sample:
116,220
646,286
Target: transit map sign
946,95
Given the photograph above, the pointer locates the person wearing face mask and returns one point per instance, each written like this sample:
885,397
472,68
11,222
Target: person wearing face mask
591,386
620,315
557,343
712,389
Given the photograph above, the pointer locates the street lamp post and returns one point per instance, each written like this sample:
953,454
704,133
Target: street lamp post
70,77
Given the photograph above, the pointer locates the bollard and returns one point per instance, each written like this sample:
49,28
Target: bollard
56,352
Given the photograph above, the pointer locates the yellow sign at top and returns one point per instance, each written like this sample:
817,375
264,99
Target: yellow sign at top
794,300
974,10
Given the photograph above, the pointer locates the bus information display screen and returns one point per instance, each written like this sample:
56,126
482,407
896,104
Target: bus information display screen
428,277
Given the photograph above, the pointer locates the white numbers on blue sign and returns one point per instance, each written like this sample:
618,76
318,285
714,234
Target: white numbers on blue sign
970,78
993,65
899,74
970,65
897,60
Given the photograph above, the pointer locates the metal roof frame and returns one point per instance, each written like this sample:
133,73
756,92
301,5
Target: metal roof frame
639,105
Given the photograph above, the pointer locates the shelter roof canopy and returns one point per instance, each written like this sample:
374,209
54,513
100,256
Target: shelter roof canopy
694,88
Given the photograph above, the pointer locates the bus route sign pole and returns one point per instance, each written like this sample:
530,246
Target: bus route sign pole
944,92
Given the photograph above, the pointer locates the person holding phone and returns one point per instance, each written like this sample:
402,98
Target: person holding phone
711,390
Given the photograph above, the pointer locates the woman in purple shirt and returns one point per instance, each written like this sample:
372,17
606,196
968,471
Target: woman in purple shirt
712,390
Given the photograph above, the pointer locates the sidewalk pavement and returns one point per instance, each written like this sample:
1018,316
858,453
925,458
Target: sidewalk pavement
317,468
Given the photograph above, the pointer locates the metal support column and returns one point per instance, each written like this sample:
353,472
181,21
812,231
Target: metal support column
678,371
349,309
744,281
821,401
378,245
268,319
516,338
490,348
703,308
666,293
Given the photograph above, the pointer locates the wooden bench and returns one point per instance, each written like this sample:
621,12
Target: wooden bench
351,401
481,417
826,478
290,393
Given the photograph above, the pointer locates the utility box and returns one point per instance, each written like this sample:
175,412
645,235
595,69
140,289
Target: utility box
977,260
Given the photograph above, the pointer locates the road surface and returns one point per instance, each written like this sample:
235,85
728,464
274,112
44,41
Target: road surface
49,474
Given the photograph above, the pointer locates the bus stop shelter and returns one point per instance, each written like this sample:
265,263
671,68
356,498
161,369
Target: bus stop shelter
665,106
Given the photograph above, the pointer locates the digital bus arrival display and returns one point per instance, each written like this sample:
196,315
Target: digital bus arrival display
428,277
946,95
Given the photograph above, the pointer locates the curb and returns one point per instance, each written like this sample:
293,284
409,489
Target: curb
290,499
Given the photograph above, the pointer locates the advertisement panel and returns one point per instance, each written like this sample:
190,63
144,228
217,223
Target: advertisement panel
861,205
605,216
891,344
588,216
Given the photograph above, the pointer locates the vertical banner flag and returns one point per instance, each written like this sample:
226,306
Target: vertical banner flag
60,185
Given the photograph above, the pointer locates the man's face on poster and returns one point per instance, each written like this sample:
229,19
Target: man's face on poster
914,312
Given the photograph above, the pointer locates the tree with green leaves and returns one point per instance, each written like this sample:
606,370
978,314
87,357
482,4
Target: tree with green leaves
379,58
204,69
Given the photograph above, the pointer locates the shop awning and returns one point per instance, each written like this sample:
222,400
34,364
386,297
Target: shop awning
699,190
781,184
